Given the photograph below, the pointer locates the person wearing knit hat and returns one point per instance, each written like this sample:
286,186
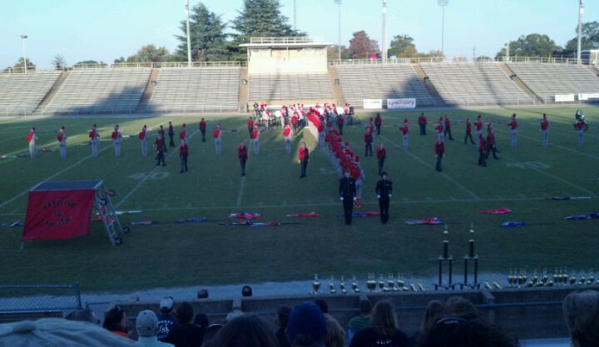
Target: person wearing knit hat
59,332
146,325
62,142
94,137
545,131
306,326
32,139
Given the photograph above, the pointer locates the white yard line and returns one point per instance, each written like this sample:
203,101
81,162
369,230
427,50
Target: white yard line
124,199
240,194
456,183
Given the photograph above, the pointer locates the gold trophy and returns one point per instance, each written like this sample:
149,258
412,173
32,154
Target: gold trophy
354,285
315,285
342,286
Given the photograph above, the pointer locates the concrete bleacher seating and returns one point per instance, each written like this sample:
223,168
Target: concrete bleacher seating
393,81
102,90
22,93
546,80
196,89
467,83
290,86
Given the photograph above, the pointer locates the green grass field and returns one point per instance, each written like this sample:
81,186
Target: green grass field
168,255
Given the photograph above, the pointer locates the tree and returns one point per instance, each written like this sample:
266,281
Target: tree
402,46
149,54
262,18
207,36
333,52
362,47
589,39
437,54
91,63
59,62
532,45
19,66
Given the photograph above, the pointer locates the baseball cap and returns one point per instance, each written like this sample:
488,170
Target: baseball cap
146,323
166,303
306,319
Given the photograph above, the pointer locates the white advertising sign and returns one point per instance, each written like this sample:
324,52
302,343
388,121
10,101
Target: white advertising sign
373,103
394,104
564,97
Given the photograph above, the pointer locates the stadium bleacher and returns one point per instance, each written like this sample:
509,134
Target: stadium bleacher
107,90
474,84
360,82
290,86
546,80
196,89
22,93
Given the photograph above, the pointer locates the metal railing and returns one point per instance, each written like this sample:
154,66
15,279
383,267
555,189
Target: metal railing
42,297
285,40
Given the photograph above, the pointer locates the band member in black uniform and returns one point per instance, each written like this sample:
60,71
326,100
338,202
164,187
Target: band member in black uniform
347,194
383,189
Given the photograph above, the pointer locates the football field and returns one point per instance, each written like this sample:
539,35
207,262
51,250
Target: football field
167,254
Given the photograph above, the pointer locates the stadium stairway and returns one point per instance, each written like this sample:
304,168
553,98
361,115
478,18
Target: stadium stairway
593,69
147,95
244,90
51,93
429,86
334,80
523,87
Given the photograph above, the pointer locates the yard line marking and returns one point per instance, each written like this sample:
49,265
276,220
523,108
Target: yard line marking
148,175
240,195
553,176
51,177
430,166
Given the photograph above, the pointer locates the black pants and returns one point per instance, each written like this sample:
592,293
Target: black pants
203,135
492,149
468,135
160,157
438,166
447,132
242,162
340,129
384,207
348,208
172,142
381,163
482,158
368,149
183,162
250,131
378,129
303,167
422,129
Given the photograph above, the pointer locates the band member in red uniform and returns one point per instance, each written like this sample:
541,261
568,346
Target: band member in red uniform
32,140
468,131
117,138
439,153
183,132
162,134
250,125
217,140
94,136
579,126
303,156
242,155
340,123
159,150
545,131
203,129
405,134
378,122
447,130
368,142
62,142
478,126
288,136
513,124
482,151
440,130
171,133
143,137
491,144
183,153
381,155
422,123
255,139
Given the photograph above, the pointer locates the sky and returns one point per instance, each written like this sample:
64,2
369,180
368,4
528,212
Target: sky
108,29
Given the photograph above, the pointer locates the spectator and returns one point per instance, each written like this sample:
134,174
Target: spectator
115,321
203,294
306,326
458,306
232,315
201,320
84,315
581,312
453,331
335,336
434,310
186,334
166,319
211,332
246,291
281,321
324,307
147,327
246,331
384,331
362,321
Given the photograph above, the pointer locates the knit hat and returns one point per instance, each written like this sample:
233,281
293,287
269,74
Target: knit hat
306,319
58,332
146,323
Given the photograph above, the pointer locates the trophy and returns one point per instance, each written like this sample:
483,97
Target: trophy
354,285
401,284
382,284
591,278
342,286
545,278
332,285
371,283
572,279
391,283
511,279
315,285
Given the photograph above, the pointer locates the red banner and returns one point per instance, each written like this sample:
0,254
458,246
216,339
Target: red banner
58,214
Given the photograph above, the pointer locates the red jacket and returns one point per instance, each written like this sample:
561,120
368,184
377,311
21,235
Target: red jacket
468,126
422,119
182,134
183,149
287,132
439,128
142,135
251,124
405,129
255,134
381,153
482,144
202,124
544,124
491,138
242,152
439,148
513,124
159,144
60,136
216,133
579,125
368,137
303,152
447,122
479,125
378,120
340,120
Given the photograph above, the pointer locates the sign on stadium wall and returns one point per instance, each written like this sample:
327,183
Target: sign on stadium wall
394,104
564,97
587,96
373,103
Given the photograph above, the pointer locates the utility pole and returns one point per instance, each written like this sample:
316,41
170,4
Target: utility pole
385,31
339,3
23,38
580,13
443,3
188,36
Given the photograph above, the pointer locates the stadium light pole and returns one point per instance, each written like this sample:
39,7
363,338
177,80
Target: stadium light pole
188,36
23,38
580,13
339,3
384,30
443,3
295,15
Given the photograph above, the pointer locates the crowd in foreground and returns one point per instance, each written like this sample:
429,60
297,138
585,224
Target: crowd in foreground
454,323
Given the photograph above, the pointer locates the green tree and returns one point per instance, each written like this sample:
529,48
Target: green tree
262,18
333,52
19,66
589,39
91,63
59,62
402,46
149,54
532,45
362,47
207,36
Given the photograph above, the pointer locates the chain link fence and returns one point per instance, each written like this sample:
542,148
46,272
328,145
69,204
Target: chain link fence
39,298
